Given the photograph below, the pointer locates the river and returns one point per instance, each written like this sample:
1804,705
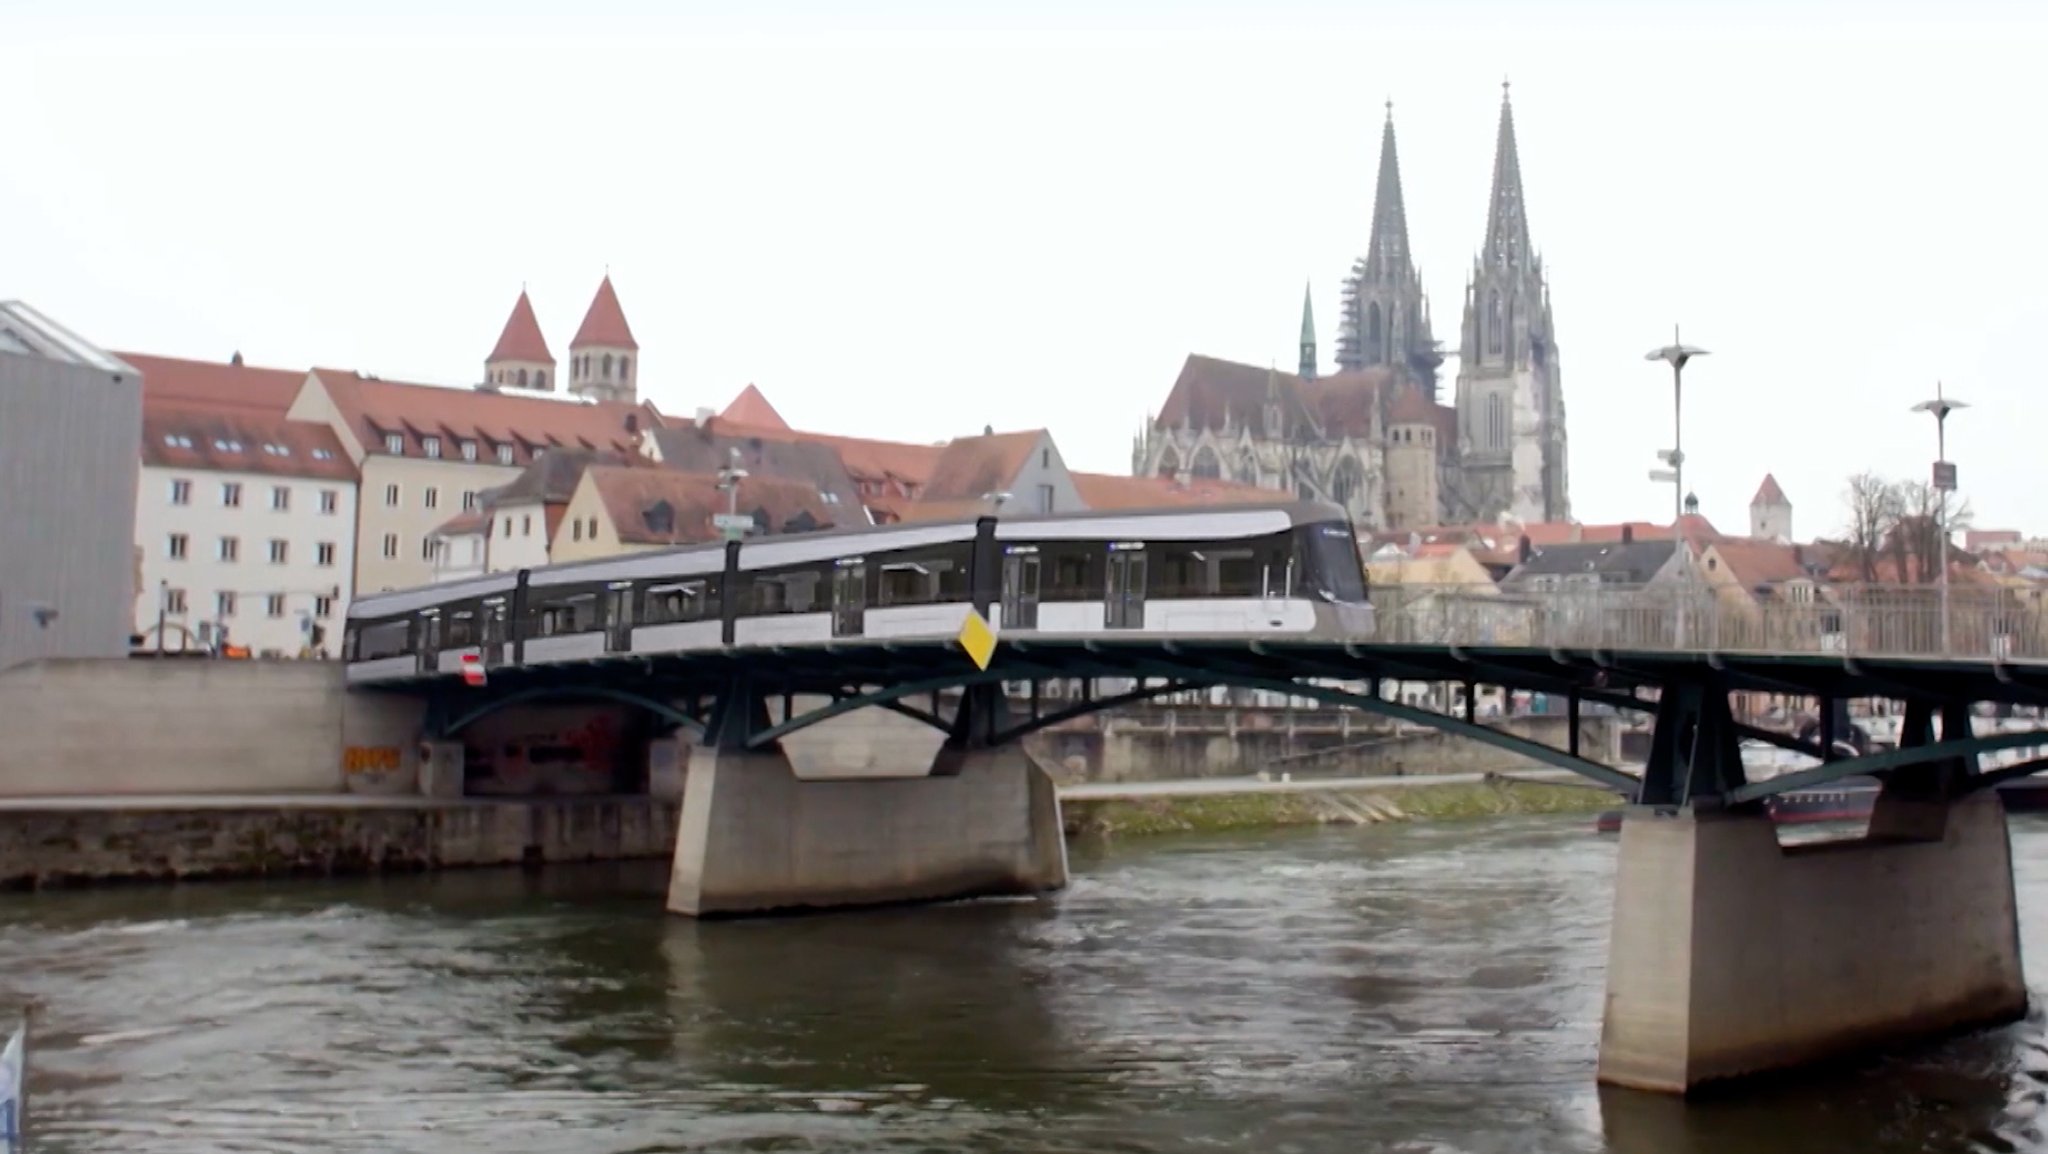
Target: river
1422,989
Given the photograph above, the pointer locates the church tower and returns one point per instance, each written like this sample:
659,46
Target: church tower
521,359
1308,334
604,358
1511,425
1386,315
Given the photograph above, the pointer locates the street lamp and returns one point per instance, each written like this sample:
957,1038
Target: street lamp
729,479
1676,354
1944,484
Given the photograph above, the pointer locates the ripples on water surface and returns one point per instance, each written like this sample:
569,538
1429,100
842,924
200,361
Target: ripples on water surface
1425,989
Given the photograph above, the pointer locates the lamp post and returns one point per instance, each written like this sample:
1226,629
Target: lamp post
1676,354
729,479
1944,484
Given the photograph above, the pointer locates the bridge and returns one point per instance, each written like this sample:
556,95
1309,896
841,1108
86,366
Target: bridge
1731,955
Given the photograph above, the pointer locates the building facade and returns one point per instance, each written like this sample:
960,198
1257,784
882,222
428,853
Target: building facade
70,418
1375,437
246,529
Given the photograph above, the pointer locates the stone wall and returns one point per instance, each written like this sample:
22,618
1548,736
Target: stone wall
113,727
1118,752
59,845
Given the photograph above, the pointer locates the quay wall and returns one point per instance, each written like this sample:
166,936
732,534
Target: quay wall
164,841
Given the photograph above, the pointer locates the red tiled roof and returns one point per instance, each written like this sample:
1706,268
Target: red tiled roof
751,408
1768,493
375,409
179,436
465,523
604,326
870,461
1108,491
631,497
1211,392
1412,407
522,339
217,386
969,467
1760,562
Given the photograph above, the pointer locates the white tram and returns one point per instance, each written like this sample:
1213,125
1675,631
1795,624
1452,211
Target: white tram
1289,569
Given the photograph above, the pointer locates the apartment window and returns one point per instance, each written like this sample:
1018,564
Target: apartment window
390,545
590,529
223,605
279,550
175,547
508,526
391,496
526,525
576,530
432,445
181,492
504,454
432,497
323,553
273,605
323,607
1045,498
394,443
426,548
174,602
231,494
230,549
280,498
469,450
468,499
329,500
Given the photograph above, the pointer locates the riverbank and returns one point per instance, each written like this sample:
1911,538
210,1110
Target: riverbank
1451,801
53,842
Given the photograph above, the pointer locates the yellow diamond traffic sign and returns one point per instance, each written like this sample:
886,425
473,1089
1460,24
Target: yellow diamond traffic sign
977,639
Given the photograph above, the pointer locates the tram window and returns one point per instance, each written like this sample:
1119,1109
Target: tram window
572,614
462,628
1072,570
680,601
922,576
793,590
384,639
1333,564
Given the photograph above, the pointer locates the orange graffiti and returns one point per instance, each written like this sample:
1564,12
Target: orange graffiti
369,758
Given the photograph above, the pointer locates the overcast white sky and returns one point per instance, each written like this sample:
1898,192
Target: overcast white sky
903,221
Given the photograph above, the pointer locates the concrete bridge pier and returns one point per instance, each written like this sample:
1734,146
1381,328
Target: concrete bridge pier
755,838
1733,956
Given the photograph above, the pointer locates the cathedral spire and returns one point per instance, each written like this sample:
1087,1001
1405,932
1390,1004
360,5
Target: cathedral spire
1308,333
1387,260
1507,217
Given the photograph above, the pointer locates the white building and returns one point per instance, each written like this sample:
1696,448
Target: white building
245,523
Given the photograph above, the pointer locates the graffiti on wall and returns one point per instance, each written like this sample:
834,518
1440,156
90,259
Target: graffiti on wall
371,759
572,751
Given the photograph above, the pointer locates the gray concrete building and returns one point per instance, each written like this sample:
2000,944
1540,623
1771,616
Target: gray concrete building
70,431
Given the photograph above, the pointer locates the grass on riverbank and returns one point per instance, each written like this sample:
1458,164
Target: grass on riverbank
1140,818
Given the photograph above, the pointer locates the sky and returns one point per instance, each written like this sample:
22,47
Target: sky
913,220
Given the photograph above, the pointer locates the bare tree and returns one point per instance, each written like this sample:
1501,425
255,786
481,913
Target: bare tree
1873,516
1915,543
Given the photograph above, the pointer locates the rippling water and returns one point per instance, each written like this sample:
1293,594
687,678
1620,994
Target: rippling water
1418,988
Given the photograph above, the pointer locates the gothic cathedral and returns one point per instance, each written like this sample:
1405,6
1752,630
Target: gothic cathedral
1375,437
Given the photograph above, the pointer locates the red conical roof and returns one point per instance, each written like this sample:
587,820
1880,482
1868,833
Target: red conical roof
1768,493
521,340
604,326
751,408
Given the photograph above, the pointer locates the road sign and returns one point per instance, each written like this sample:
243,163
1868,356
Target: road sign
1945,476
977,639
473,670
731,521
1665,475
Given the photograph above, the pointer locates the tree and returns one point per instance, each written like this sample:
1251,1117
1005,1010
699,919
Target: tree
1873,515
1915,544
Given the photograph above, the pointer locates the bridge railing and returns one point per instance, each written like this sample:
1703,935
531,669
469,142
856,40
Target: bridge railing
1902,621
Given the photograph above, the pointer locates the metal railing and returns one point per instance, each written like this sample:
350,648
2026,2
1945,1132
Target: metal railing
1897,621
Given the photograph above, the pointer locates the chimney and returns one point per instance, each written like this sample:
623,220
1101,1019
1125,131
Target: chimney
988,430
1523,550
236,360
1628,533
632,423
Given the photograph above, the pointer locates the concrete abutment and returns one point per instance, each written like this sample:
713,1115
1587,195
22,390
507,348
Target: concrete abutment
1734,956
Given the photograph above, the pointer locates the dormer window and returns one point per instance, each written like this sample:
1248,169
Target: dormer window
432,445
469,450
394,444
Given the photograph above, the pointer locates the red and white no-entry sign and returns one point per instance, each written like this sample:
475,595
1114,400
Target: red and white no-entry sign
472,670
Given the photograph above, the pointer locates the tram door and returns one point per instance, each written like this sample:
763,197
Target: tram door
618,617
849,596
493,637
1124,599
430,640
1020,588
